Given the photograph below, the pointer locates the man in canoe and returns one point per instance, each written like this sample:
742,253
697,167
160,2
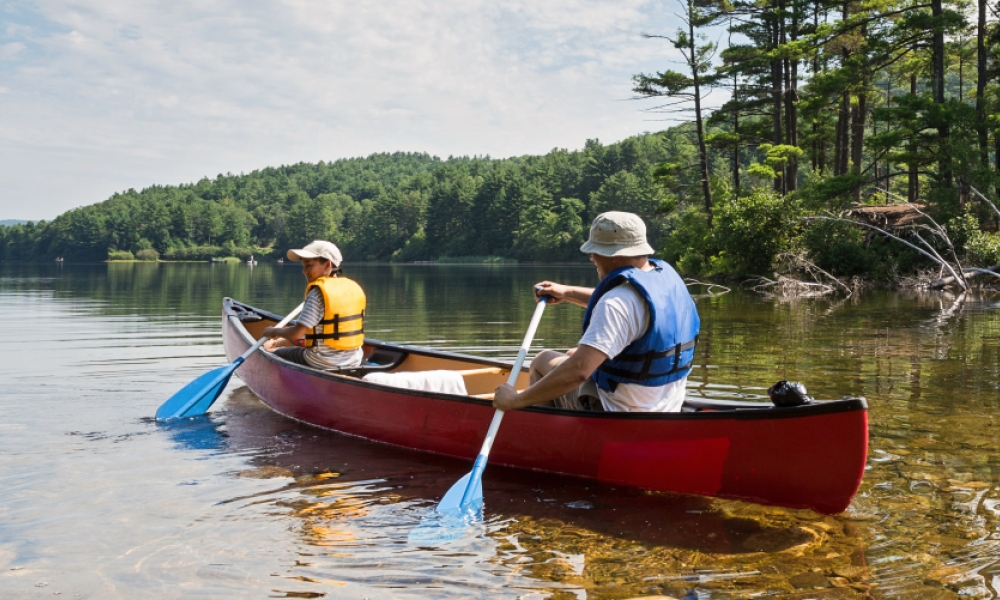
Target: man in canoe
330,329
639,331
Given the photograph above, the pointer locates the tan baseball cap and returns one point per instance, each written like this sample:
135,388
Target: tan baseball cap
617,234
318,249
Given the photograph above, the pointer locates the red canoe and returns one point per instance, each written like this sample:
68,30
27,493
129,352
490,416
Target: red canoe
810,456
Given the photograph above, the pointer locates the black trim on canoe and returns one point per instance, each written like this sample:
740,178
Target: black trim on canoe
707,409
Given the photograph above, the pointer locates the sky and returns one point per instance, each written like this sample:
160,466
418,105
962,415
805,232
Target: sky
99,96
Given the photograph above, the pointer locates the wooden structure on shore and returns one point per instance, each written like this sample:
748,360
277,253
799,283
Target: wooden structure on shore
889,215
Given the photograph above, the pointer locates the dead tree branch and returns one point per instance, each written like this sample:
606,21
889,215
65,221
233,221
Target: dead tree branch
970,272
986,200
791,281
934,257
787,286
710,288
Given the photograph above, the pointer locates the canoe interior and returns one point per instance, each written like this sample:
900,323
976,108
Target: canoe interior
483,375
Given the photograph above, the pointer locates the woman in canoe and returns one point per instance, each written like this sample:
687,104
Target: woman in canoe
330,328
640,329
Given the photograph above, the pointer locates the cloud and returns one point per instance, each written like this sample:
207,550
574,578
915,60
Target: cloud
7,51
110,95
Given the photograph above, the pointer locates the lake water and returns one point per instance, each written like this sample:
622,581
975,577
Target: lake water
97,500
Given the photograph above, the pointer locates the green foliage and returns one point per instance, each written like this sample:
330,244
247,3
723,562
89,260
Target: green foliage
147,254
908,143
762,171
625,191
778,155
415,248
751,230
204,253
961,229
978,247
688,242
120,255
846,251
830,192
839,248
983,249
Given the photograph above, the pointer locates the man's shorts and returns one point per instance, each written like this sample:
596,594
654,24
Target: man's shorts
584,397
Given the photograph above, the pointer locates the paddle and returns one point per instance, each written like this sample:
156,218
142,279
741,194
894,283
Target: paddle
196,397
465,498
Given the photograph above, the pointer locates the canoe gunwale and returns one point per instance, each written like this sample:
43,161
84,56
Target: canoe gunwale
721,409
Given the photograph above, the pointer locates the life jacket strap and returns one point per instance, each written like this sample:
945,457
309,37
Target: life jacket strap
651,356
633,376
337,333
647,362
334,336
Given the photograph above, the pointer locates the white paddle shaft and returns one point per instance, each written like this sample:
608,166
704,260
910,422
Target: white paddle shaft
529,335
295,312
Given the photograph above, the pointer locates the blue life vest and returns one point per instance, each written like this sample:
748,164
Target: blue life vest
665,352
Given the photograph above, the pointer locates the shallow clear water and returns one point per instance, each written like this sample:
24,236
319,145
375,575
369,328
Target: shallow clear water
99,501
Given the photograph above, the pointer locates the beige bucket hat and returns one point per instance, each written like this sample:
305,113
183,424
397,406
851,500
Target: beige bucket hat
617,234
318,249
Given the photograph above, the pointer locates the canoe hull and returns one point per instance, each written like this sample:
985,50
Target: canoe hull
787,457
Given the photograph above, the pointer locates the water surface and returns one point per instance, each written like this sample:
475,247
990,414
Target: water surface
99,501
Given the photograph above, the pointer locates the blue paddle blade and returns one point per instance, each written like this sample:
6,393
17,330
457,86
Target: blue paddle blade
452,501
196,433
196,397
439,529
451,520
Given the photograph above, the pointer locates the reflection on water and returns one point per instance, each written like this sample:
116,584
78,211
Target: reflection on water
574,535
99,501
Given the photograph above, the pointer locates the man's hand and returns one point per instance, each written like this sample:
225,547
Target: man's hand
559,293
566,376
505,397
555,291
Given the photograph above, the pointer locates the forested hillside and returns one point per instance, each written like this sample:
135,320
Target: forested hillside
383,207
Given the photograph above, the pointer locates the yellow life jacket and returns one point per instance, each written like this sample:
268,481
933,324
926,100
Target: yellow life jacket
343,321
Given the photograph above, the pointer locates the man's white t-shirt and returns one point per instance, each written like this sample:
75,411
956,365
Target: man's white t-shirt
621,317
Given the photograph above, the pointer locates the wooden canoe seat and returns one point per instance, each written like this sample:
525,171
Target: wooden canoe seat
484,371
473,382
481,382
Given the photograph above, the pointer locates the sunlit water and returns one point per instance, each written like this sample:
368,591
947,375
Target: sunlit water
99,501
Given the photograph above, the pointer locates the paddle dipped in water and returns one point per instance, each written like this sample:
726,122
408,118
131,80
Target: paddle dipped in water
463,503
195,398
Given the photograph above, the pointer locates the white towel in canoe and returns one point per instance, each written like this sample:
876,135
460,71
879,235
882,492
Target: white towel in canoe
443,382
